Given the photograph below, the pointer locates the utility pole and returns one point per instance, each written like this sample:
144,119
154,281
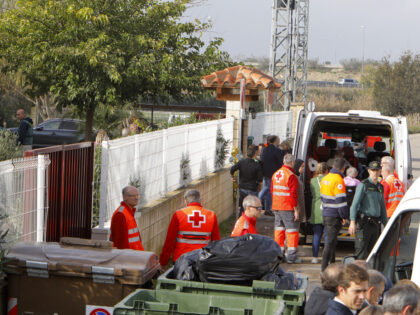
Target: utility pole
289,50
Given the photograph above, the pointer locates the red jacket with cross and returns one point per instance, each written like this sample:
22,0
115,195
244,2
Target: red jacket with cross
190,228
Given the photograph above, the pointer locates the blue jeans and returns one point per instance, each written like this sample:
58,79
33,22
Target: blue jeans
265,193
242,194
316,242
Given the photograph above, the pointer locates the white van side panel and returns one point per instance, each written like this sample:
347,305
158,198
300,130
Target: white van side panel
415,275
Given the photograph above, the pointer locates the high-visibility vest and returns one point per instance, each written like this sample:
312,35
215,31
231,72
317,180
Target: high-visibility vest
134,239
396,193
242,225
195,225
282,199
333,196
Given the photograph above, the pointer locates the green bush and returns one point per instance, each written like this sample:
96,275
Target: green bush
8,148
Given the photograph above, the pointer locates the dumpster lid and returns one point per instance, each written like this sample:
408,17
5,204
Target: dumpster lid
99,262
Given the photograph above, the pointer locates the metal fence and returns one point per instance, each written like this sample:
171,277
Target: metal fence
270,123
23,199
157,162
70,192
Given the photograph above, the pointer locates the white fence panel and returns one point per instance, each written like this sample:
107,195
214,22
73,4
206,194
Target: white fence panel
152,161
23,199
270,123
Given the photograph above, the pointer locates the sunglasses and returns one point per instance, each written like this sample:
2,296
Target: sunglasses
258,208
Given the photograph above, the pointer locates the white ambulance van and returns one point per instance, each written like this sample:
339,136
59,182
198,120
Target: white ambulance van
359,136
401,232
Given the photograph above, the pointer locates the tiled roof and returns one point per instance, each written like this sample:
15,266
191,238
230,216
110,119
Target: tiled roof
231,78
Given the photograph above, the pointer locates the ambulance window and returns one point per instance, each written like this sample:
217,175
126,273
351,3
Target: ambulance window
403,236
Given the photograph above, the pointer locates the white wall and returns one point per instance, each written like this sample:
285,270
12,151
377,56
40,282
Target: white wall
270,123
154,159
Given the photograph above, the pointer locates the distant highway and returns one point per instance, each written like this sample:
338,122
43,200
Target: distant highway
333,84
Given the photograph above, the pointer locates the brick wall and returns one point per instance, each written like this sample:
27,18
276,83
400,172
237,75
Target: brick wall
216,194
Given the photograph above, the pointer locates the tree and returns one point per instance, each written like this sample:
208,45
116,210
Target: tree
395,87
91,52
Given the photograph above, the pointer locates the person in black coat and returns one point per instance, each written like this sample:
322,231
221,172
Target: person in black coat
353,283
272,160
318,300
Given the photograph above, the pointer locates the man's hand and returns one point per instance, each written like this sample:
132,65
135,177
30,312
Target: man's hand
345,221
233,179
352,228
296,214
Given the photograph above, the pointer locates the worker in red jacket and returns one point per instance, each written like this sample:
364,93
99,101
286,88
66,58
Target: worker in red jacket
124,231
246,222
284,189
190,228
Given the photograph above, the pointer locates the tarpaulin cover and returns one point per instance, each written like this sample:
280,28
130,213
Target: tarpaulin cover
283,280
185,267
238,260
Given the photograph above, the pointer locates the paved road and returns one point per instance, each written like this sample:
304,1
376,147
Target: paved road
265,226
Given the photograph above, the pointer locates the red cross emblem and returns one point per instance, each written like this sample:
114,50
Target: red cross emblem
279,176
397,184
196,218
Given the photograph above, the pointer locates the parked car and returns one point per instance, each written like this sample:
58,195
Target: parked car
348,82
57,131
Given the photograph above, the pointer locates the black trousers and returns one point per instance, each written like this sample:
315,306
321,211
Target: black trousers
333,226
366,236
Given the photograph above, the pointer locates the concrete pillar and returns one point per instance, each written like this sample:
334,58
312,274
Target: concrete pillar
233,109
295,108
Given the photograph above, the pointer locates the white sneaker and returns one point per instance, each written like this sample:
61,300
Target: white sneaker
314,260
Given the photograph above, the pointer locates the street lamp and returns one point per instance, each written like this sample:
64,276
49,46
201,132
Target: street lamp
363,47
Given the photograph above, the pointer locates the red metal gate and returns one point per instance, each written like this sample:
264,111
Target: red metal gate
70,180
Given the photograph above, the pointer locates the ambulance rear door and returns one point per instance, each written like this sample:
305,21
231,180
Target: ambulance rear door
402,151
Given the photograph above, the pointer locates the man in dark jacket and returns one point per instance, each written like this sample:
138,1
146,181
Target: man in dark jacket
272,160
25,131
318,300
250,176
353,283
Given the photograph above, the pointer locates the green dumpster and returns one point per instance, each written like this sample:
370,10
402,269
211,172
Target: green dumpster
294,300
192,297
154,302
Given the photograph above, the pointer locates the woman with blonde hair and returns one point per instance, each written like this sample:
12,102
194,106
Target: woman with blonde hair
285,147
316,213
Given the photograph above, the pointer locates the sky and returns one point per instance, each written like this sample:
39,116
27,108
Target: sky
336,27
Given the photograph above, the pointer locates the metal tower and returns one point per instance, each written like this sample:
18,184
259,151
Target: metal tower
289,50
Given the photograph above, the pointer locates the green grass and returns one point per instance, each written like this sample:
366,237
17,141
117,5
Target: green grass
226,226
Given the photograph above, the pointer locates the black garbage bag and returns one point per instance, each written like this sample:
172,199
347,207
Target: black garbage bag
282,280
185,267
238,260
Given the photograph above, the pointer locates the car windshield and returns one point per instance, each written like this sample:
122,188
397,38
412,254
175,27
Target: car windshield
403,236
54,124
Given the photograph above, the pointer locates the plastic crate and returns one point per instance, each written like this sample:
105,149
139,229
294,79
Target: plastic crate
153,302
294,300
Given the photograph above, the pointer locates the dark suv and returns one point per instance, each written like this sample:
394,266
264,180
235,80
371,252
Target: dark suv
57,131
